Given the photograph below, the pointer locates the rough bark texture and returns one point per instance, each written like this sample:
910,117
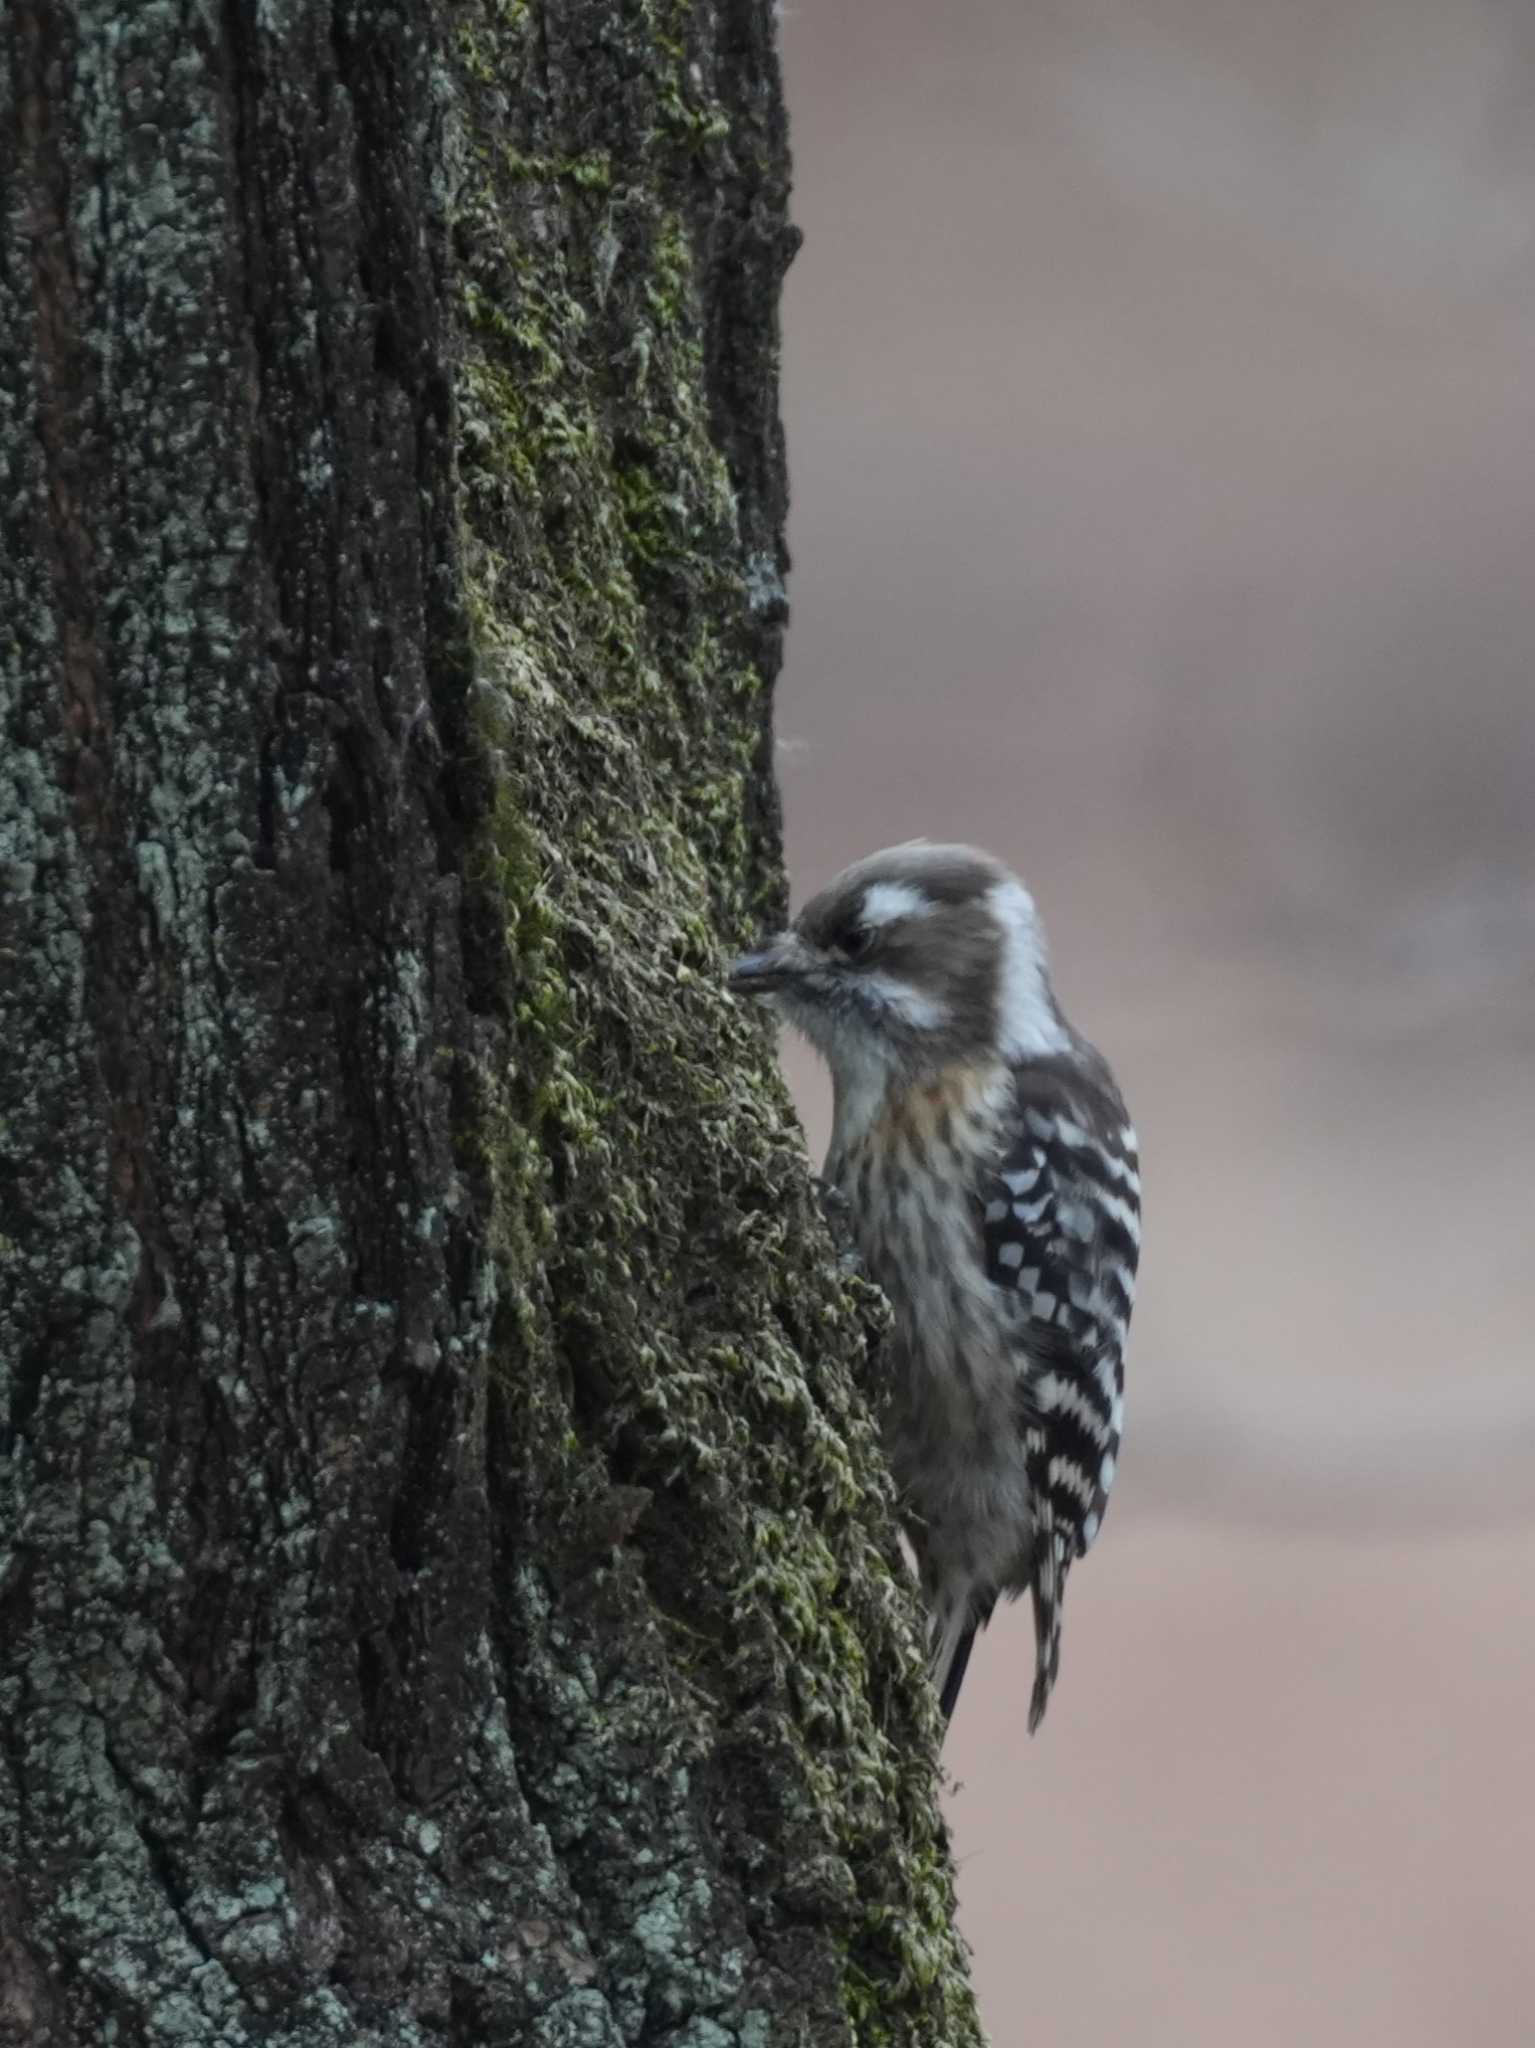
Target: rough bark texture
447,1588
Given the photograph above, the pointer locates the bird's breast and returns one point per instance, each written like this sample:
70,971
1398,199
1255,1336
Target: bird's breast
908,1180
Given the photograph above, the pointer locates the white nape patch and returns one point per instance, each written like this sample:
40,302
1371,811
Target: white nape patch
889,902
1027,1020
922,1012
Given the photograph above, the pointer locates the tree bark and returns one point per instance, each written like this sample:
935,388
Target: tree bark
447,1583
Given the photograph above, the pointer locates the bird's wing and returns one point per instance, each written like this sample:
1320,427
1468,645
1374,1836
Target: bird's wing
1060,1225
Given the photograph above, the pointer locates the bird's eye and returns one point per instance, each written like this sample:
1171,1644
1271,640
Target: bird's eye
854,940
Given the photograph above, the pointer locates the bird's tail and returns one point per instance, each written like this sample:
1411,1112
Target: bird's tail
952,1674
1049,1591
953,1639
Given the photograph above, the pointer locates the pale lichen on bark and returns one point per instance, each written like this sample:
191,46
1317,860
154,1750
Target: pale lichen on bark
449,1589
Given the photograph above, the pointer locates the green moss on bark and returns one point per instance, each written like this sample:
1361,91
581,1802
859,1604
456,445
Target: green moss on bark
682,1378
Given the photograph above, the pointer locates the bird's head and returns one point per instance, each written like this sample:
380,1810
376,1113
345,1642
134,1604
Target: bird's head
911,959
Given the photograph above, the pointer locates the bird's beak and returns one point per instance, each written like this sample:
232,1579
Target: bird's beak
771,966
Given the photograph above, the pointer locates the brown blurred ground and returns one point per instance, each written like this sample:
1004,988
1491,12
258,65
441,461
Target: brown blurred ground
1161,387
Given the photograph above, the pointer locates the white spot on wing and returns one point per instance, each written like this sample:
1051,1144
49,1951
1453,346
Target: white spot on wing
1010,1254
1067,1473
889,902
1059,1396
1122,1214
1021,1181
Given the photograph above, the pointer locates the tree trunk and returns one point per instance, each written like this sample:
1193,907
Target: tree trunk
447,1584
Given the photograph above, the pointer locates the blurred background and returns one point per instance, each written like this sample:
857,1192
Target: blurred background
1161,407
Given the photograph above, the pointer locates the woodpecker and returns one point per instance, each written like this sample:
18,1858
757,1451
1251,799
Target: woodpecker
992,1180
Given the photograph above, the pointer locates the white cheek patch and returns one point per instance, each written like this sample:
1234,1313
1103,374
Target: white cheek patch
913,1006
1026,1017
888,902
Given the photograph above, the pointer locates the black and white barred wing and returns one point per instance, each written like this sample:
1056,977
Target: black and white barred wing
1060,1217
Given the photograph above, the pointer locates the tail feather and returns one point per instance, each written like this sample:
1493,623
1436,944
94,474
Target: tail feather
953,1639
1049,1590
954,1628
954,1676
